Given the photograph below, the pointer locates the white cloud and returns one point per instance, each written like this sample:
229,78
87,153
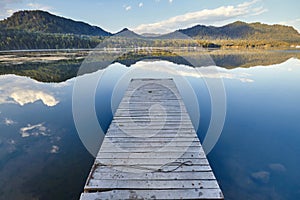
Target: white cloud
127,8
22,90
141,4
9,122
36,6
171,1
34,130
54,149
259,11
206,16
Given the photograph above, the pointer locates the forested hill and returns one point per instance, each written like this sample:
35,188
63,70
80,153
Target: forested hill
42,30
244,31
41,21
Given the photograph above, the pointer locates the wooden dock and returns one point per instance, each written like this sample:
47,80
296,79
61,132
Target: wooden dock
151,150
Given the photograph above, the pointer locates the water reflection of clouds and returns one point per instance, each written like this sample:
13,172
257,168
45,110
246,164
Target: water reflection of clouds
23,97
54,149
9,122
23,90
34,130
203,72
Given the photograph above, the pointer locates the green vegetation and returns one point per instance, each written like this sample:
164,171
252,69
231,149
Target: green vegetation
244,35
244,31
42,30
11,39
41,21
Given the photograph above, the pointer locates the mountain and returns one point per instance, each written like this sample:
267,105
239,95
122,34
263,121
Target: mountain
41,21
244,31
43,30
127,34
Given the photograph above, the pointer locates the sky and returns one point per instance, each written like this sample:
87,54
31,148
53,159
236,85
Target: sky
162,16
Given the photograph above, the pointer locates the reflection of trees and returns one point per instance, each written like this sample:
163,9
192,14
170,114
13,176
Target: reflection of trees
45,72
131,58
58,71
248,59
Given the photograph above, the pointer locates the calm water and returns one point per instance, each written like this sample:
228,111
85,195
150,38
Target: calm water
256,157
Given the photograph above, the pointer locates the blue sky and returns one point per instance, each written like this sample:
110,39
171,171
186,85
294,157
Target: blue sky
162,16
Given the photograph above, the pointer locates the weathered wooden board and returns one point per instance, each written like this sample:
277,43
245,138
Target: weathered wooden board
151,150
161,155
143,161
120,175
155,194
151,168
99,185
148,139
143,144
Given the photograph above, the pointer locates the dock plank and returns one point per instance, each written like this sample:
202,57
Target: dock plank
155,194
151,150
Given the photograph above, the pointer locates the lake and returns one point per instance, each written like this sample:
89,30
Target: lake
43,156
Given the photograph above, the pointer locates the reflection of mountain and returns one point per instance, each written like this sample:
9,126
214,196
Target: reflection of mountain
61,70
131,58
250,59
56,71
229,60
